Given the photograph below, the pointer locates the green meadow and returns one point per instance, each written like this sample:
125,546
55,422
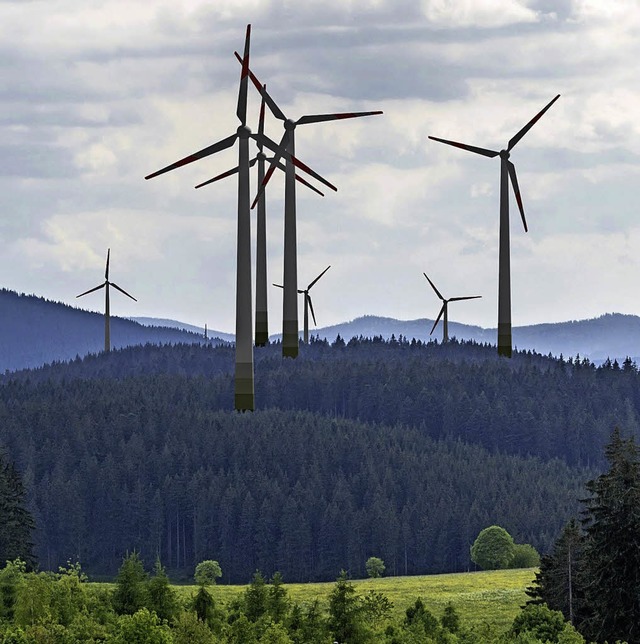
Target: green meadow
491,597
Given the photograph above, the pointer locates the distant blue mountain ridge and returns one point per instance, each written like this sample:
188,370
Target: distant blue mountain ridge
36,331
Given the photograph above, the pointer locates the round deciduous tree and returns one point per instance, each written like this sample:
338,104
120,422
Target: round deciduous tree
493,548
374,566
207,572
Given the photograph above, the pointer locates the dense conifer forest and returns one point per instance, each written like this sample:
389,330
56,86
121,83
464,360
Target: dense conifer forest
389,448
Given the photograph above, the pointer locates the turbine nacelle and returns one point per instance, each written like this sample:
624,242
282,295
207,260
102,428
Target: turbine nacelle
243,131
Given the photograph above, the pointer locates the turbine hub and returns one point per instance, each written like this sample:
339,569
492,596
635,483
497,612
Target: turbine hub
289,125
244,131
504,154
261,156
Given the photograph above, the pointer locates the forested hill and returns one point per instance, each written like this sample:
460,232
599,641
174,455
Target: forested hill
35,331
394,449
529,405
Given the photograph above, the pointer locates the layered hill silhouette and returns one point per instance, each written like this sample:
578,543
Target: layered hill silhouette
35,331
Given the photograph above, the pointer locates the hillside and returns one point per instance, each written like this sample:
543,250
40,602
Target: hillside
35,331
398,449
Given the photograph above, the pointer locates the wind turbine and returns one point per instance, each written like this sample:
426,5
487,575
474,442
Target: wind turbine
507,171
107,315
308,304
244,383
262,316
290,272
444,310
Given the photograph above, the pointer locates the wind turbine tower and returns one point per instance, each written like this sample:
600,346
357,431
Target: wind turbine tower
445,310
107,313
507,171
290,272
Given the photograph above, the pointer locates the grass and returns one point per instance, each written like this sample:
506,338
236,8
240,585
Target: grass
492,597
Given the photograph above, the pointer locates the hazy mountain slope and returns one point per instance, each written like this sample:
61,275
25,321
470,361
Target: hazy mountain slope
34,331
175,324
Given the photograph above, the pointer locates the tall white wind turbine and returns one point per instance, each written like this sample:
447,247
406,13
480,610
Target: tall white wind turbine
290,271
507,171
445,310
107,312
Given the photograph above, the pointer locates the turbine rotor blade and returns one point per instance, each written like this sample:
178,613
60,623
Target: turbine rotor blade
313,315
241,111
278,285
433,286
279,153
530,124
261,118
275,110
435,324
516,192
470,148
91,290
205,152
123,291
317,278
228,173
313,173
306,183
468,297
106,270
320,118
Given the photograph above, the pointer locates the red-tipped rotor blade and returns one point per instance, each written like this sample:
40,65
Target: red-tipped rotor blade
228,173
244,80
91,290
279,152
317,278
433,286
530,124
469,297
313,315
123,291
470,148
435,324
516,192
319,118
313,173
205,152
275,110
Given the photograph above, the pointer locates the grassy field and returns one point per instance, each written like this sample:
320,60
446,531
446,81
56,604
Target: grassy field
493,597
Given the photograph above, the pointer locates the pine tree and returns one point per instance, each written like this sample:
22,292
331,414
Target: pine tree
612,547
16,523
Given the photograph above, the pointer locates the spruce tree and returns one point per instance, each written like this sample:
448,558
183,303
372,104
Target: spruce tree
611,558
16,523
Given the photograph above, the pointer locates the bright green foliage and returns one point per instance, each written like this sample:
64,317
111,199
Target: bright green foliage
86,628
241,631
277,600
611,555
307,624
68,595
203,605
275,634
346,622
421,621
143,627
130,594
524,556
376,608
374,567
10,577
450,619
33,599
188,629
162,598
493,548
207,572
541,622
255,598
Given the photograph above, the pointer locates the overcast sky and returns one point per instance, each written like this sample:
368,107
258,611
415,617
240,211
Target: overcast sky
95,95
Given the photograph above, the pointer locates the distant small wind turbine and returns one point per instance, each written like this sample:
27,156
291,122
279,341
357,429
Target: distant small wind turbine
507,171
444,310
262,316
107,315
308,304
